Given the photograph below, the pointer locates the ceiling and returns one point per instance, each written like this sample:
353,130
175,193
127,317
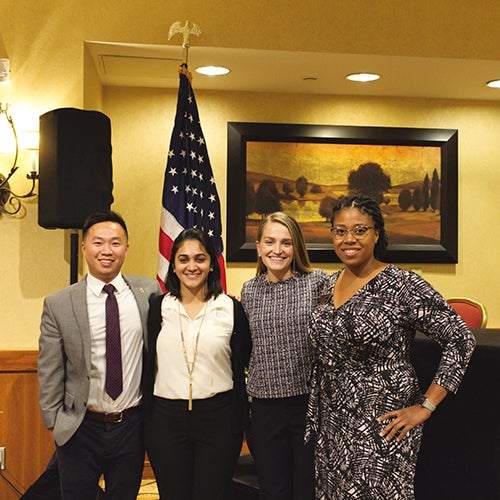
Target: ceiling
253,70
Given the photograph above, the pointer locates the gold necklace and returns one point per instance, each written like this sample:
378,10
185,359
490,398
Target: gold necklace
190,364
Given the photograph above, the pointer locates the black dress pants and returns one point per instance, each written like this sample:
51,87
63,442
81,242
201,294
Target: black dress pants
193,453
285,466
48,486
115,450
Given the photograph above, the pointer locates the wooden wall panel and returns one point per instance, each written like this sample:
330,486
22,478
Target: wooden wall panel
28,444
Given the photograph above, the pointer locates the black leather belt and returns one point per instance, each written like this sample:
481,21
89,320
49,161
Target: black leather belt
111,418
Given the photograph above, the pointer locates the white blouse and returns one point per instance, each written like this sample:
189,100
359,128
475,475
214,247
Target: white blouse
212,372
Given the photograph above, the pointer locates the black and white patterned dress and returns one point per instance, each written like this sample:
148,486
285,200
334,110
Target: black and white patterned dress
363,370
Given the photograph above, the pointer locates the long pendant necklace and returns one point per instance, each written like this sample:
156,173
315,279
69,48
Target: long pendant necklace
190,364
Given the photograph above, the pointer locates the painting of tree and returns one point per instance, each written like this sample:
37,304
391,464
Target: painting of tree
369,179
303,169
313,176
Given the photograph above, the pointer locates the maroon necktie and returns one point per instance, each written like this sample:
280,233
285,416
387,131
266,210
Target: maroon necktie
114,383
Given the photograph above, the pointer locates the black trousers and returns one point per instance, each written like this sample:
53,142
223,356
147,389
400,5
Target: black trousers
285,466
115,450
48,487
193,453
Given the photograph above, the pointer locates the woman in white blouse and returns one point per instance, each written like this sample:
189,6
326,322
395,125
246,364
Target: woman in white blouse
194,378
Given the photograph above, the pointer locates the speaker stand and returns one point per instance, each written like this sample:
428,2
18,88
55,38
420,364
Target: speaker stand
74,257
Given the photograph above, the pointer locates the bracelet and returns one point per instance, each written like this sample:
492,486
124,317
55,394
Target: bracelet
428,405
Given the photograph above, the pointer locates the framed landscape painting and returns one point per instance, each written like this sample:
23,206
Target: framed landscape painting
303,169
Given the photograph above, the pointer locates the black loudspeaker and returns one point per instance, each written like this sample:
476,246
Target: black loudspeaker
75,169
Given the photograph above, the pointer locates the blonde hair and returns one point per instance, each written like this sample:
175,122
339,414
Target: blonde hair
301,262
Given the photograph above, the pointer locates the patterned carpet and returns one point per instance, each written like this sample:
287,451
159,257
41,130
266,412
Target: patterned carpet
148,490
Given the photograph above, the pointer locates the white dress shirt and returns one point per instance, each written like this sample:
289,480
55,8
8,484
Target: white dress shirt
131,344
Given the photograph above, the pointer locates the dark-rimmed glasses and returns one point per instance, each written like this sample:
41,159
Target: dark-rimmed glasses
358,232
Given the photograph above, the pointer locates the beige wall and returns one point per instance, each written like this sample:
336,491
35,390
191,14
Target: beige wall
44,40
142,121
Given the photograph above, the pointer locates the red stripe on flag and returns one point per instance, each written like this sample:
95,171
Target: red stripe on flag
166,243
222,265
190,198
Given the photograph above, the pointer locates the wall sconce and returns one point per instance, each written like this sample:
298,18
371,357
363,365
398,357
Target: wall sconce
10,202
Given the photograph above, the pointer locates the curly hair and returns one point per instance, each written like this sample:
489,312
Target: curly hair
371,208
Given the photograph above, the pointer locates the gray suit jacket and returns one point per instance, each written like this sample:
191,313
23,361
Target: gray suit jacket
64,357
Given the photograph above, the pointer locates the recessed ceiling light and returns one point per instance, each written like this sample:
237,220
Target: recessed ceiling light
212,70
494,84
363,77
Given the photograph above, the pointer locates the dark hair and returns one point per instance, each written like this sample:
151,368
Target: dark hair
370,207
172,282
103,216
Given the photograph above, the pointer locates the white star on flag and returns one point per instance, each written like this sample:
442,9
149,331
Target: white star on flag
183,203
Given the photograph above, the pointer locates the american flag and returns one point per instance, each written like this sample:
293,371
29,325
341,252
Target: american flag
190,196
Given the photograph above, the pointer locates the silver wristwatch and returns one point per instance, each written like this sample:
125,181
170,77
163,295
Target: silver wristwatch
428,405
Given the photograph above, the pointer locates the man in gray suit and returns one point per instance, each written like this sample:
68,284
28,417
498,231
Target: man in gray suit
97,430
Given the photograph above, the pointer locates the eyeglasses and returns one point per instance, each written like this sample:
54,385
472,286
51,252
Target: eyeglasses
358,232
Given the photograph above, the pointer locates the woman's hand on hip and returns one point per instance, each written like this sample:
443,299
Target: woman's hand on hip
403,420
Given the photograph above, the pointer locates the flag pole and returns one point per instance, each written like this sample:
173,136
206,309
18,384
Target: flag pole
186,32
190,197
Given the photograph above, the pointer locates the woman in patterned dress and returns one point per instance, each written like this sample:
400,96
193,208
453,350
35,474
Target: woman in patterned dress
278,303
366,410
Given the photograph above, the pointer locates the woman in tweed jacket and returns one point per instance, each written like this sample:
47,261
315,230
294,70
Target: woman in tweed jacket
278,303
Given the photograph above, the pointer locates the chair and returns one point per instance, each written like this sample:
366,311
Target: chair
471,311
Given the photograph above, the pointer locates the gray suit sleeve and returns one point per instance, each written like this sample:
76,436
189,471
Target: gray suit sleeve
50,366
